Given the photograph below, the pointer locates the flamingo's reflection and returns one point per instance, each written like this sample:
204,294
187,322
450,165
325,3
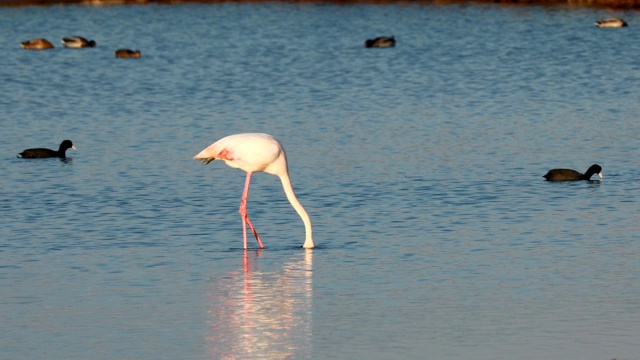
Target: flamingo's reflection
261,311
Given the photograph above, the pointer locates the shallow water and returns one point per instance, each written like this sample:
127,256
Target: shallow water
421,167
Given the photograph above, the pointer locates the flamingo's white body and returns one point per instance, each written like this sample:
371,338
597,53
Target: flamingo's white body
254,152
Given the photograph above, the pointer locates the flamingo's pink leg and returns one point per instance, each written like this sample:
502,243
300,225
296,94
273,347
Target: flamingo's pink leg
255,234
245,216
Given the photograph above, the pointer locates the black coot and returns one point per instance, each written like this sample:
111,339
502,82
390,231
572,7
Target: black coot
48,153
572,175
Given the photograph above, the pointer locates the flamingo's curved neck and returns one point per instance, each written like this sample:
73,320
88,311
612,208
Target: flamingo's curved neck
291,196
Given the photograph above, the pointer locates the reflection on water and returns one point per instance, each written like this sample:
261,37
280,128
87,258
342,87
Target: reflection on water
420,166
256,313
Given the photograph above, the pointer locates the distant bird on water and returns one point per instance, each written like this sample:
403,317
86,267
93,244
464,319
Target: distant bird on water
572,175
254,152
611,23
36,44
39,153
126,53
77,42
381,42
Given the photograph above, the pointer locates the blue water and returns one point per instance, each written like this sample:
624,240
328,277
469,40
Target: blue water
421,168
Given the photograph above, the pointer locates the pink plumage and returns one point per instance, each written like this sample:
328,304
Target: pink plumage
254,152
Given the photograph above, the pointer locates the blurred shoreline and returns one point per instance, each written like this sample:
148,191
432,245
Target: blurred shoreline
616,4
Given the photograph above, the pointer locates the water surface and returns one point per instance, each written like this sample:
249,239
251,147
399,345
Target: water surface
421,167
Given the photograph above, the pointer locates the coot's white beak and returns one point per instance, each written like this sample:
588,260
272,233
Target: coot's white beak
74,147
600,174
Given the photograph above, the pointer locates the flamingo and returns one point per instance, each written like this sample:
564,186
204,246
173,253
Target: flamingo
254,152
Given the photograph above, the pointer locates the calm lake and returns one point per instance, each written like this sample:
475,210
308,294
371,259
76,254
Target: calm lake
420,166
